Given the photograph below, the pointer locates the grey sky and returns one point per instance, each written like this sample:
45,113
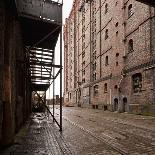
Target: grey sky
67,8
66,11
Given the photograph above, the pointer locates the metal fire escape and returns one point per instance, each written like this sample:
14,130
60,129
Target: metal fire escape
41,24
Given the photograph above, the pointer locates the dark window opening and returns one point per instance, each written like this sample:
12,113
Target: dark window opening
117,54
70,96
106,34
105,107
124,108
94,76
105,87
106,61
116,24
116,87
83,80
83,54
130,10
115,104
137,82
94,66
96,89
130,46
106,8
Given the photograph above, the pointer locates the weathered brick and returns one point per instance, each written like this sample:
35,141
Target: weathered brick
121,28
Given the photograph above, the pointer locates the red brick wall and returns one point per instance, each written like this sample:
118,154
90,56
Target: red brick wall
121,28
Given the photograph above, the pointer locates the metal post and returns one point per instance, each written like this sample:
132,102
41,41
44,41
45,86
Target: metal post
61,73
61,80
53,88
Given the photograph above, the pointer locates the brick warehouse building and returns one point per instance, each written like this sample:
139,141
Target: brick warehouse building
109,60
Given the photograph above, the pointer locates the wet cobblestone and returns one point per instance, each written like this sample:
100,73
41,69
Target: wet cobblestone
86,132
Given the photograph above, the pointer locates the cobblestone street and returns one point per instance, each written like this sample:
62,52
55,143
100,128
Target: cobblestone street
86,132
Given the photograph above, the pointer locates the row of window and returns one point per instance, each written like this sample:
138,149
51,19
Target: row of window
83,46
136,84
130,12
130,9
107,60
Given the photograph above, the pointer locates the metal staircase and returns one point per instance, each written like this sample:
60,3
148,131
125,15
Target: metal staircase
41,25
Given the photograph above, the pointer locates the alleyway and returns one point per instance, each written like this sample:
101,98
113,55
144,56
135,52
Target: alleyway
86,131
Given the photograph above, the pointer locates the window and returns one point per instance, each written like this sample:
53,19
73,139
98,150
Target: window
83,80
116,87
106,61
130,11
83,64
106,34
83,37
105,87
117,33
83,54
130,46
83,72
94,66
94,76
115,104
94,55
106,8
116,63
70,96
96,89
117,54
83,45
137,82
116,24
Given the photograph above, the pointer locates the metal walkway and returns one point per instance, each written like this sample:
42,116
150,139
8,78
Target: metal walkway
41,24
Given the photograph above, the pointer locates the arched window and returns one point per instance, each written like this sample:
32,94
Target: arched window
137,82
106,34
130,10
130,46
106,61
106,8
105,87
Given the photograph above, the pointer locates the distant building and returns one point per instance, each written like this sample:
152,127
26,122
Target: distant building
56,100
110,56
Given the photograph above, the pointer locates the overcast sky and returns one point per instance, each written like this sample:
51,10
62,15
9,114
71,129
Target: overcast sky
66,11
67,8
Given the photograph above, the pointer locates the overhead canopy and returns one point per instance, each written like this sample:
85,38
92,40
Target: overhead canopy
41,22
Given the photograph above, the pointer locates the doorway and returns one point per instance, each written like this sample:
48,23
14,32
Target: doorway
124,108
115,104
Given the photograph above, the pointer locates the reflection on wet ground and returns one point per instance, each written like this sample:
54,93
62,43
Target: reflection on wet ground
86,132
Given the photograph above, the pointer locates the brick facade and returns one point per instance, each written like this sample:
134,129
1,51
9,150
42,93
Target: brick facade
109,55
